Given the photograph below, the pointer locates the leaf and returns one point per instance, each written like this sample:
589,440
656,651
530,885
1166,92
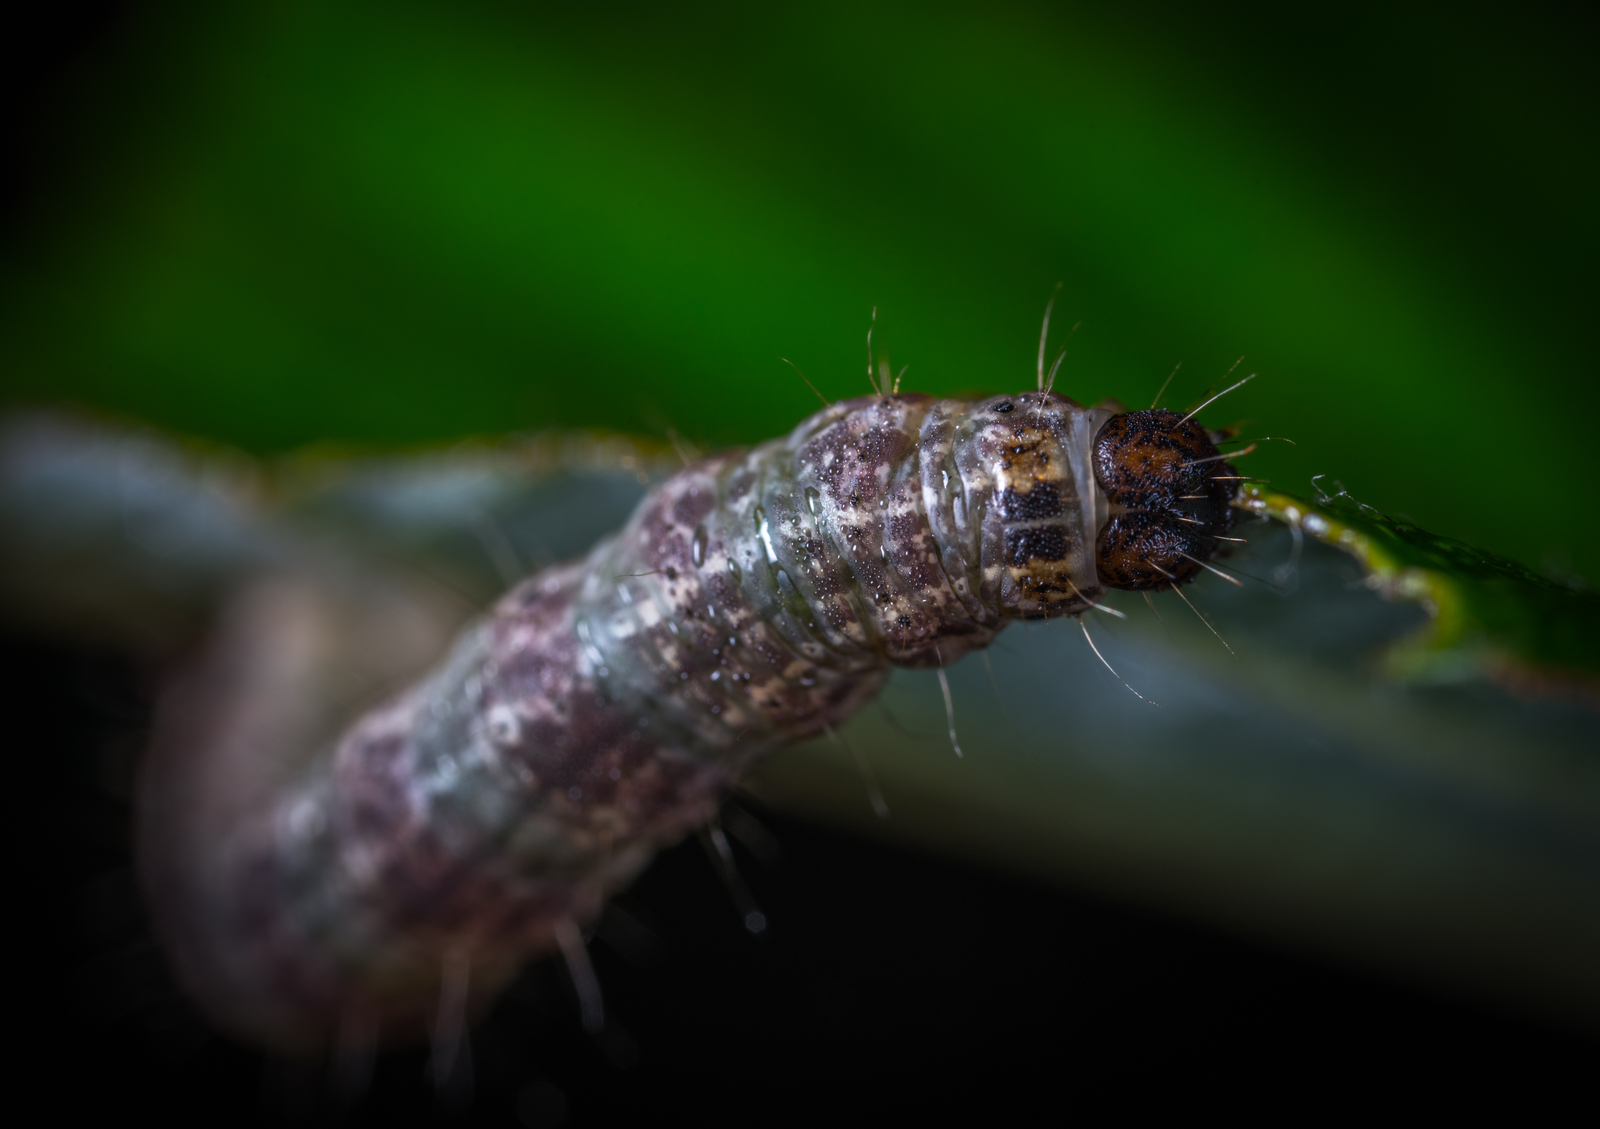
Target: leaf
1488,617
1291,789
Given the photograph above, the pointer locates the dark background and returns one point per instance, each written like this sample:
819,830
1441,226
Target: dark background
1429,338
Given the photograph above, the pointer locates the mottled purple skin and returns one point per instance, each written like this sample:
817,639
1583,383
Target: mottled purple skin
604,708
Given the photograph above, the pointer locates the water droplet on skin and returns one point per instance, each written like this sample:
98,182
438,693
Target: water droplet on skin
733,570
697,547
813,501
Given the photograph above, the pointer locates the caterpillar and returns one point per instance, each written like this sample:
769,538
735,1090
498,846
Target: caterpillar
390,885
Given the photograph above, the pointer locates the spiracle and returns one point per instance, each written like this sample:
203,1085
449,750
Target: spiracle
603,707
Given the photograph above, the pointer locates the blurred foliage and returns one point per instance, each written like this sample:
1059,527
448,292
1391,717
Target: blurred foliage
275,225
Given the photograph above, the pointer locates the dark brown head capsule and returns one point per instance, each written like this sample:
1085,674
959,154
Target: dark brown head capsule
1149,459
1143,552
1170,495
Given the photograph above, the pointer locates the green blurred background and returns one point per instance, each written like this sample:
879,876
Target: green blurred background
375,224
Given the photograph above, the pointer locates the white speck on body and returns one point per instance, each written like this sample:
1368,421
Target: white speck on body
503,725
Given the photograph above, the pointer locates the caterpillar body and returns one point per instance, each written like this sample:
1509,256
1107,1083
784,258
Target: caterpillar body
603,707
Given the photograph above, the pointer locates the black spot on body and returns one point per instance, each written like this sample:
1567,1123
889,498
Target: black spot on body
1044,500
1035,543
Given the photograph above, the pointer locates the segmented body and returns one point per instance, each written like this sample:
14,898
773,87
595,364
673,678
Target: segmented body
604,707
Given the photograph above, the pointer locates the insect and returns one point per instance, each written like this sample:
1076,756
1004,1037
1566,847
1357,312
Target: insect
387,887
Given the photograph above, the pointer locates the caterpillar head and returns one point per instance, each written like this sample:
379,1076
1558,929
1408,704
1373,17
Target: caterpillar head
1170,493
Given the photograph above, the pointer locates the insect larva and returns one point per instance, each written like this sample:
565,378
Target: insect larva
604,707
